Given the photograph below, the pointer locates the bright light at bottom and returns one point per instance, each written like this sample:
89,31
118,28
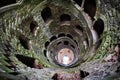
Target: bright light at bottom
65,60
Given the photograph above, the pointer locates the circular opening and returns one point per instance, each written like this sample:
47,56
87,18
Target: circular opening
65,56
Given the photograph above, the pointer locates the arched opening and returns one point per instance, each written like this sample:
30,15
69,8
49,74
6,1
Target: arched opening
76,42
66,42
68,35
90,8
53,38
45,53
25,42
65,19
79,28
61,35
72,46
99,26
46,44
34,27
46,14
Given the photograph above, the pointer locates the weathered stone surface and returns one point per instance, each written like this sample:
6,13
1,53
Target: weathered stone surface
101,70
37,74
67,76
